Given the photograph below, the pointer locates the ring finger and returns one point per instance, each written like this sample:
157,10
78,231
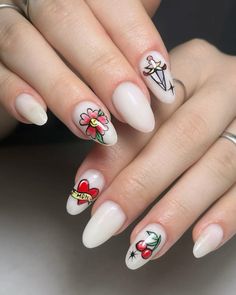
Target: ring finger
25,52
71,28
198,189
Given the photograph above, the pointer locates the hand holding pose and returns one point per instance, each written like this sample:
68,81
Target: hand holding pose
185,159
81,58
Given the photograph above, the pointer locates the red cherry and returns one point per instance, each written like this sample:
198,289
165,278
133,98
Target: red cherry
141,245
146,253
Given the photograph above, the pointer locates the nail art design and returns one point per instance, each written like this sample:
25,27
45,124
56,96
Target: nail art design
157,76
94,123
85,192
146,245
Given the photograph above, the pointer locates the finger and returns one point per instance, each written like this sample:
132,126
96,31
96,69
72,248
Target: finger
177,145
74,31
217,226
198,189
21,100
24,51
106,163
120,155
151,6
136,36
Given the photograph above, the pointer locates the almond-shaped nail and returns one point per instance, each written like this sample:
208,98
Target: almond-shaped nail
104,223
157,76
134,107
208,241
28,107
85,192
94,123
145,246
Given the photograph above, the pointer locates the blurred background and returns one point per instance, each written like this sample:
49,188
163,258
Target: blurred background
40,244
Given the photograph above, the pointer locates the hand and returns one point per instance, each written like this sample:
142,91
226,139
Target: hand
185,160
108,43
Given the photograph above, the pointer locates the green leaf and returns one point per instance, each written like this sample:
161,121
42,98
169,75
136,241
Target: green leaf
158,242
153,234
100,113
99,138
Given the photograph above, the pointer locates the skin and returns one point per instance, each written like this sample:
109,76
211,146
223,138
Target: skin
186,142
69,26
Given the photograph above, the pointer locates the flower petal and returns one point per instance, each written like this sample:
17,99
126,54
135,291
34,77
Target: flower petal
92,114
85,119
101,128
102,119
91,131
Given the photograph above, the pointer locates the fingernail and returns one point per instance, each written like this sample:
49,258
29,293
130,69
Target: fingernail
156,74
94,123
208,241
134,107
105,222
145,246
27,106
85,192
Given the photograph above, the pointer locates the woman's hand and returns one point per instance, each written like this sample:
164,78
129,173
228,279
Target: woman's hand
186,159
111,45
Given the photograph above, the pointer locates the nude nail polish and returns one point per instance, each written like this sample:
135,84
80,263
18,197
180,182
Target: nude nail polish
134,107
85,192
94,123
208,241
156,74
104,223
145,246
28,107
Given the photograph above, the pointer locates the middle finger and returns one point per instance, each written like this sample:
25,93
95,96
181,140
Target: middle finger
72,29
178,144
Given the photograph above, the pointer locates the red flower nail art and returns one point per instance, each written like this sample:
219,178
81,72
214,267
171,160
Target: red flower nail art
97,122
84,194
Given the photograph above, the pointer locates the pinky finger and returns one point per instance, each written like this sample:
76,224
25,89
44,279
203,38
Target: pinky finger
20,99
217,226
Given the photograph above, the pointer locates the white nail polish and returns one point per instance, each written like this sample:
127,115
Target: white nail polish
85,192
28,107
134,107
208,241
145,246
94,123
156,73
105,222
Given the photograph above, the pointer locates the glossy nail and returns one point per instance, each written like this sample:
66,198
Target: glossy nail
134,107
94,123
105,222
145,246
28,107
85,192
208,241
156,74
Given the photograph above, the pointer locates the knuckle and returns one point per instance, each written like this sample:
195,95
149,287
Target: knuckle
11,34
178,207
103,64
58,11
198,47
191,131
222,165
